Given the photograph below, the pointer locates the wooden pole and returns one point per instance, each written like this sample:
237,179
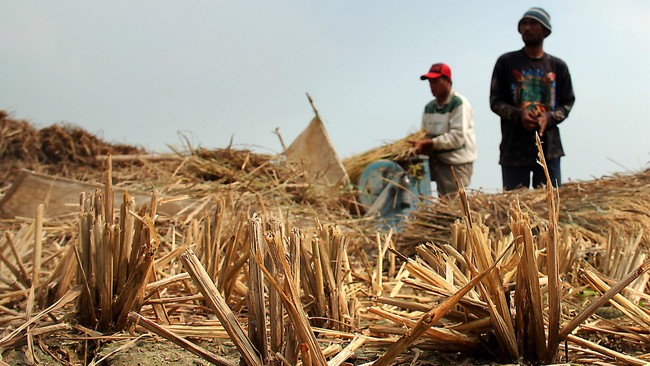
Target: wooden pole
311,102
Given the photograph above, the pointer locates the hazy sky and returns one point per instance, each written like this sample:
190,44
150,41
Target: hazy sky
145,72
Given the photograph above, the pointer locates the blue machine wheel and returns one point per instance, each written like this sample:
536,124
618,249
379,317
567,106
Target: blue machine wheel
387,191
374,179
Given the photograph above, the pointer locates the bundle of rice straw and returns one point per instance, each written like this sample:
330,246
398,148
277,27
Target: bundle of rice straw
395,151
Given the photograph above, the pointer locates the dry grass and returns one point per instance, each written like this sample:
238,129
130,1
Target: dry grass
398,150
269,242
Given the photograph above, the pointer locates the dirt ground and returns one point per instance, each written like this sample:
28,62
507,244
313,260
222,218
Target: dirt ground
149,351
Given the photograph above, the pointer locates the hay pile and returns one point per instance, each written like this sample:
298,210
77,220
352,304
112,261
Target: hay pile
20,141
69,151
274,269
545,273
62,149
398,150
67,143
593,209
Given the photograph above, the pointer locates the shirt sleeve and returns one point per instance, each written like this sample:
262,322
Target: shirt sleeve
500,94
566,98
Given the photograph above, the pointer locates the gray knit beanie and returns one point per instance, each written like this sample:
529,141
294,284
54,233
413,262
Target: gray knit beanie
540,15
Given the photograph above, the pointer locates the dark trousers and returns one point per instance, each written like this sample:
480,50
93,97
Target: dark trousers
518,177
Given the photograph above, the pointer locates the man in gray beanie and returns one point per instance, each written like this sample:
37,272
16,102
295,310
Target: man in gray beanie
532,93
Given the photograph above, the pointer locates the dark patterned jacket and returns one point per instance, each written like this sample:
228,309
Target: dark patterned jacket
543,85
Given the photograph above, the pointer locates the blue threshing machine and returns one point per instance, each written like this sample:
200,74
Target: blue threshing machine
390,190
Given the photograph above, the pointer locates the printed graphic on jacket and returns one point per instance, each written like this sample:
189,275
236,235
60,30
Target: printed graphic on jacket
534,90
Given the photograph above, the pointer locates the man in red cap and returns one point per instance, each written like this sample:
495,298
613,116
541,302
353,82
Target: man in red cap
532,93
450,140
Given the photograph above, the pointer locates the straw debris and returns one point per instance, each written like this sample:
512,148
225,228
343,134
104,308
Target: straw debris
268,267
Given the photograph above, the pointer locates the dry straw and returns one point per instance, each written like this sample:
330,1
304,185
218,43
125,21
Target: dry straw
486,266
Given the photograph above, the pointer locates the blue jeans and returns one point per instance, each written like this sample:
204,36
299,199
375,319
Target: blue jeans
517,177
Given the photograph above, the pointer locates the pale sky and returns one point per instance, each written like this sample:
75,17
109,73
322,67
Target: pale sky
146,72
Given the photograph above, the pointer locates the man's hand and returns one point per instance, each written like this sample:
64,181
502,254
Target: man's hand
422,146
529,120
542,121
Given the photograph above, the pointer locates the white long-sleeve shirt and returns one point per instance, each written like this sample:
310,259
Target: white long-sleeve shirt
451,128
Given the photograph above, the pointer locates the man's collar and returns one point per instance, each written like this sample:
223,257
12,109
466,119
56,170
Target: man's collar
448,99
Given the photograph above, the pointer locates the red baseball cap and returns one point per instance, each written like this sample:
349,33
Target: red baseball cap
436,71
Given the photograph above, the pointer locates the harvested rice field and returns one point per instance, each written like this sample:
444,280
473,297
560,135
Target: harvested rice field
235,257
